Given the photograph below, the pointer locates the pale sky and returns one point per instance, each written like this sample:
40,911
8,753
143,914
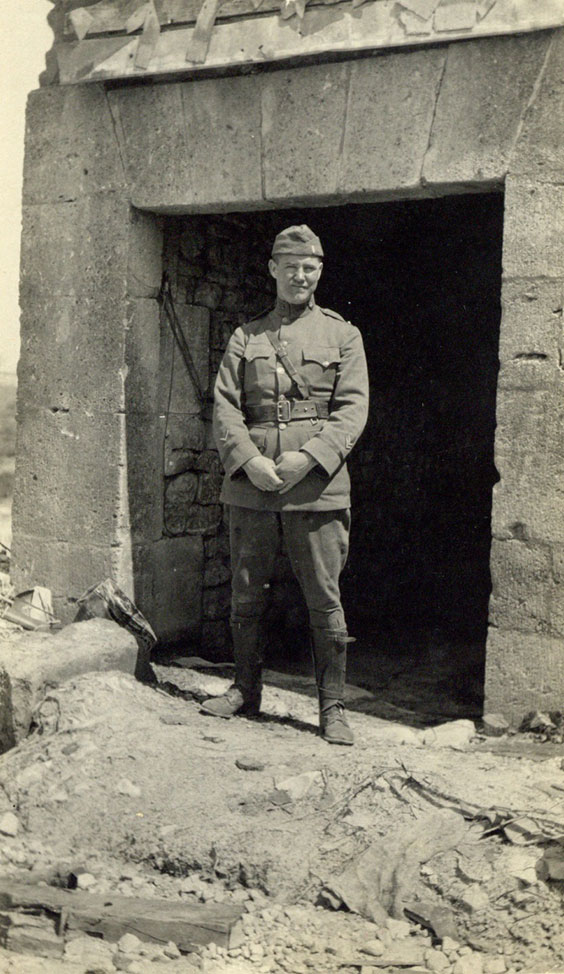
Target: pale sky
24,39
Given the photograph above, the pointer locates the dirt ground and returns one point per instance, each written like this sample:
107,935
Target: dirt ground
134,786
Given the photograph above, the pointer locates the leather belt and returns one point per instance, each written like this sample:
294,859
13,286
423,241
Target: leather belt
287,411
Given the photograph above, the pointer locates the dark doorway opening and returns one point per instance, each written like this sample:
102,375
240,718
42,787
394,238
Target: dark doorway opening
422,280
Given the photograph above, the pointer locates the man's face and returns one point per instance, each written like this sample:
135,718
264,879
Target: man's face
296,277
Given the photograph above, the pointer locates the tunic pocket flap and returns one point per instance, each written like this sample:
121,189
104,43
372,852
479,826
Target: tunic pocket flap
324,355
257,349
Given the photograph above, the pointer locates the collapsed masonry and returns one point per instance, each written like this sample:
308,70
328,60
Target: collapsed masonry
117,472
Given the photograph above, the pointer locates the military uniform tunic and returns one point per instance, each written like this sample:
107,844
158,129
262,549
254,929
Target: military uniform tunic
328,353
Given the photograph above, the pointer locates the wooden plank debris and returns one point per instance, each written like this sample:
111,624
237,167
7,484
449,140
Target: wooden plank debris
200,40
149,38
108,916
252,40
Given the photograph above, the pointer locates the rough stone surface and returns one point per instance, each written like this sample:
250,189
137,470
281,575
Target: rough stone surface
71,148
532,329
517,665
168,585
474,130
213,154
539,150
522,586
34,661
303,109
383,148
533,241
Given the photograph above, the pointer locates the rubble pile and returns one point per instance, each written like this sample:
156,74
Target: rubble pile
421,850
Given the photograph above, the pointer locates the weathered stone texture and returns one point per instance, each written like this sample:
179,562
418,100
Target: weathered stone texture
168,586
34,661
145,435
532,325
188,145
384,146
474,127
524,672
303,116
67,569
522,582
67,475
530,461
539,151
77,248
533,237
71,148
145,255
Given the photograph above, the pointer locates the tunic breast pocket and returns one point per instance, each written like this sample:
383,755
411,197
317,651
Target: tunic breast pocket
320,364
259,366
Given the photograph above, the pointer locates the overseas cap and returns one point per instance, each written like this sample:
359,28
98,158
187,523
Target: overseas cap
300,241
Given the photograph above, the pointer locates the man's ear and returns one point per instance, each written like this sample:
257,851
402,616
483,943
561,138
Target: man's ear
273,268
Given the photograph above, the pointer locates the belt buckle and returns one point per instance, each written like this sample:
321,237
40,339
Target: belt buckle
283,411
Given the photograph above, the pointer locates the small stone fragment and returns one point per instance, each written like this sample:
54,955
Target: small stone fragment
249,764
436,960
126,787
398,928
471,963
300,785
456,733
495,725
494,965
449,945
373,947
129,944
171,950
9,824
402,953
85,880
474,899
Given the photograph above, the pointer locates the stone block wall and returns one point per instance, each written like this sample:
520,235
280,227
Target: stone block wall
104,167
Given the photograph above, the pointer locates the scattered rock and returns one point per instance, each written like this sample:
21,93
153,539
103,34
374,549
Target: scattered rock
300,785
456,733
373,947
126,787
91,952
494,965
9,824
171,951
129,944
474,899
85,880
436,960
471,963
495,725
402,953
249,764
398,928
540,721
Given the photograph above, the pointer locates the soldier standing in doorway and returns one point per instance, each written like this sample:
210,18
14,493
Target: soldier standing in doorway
291,400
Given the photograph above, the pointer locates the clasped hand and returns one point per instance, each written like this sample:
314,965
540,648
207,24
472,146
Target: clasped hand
279,475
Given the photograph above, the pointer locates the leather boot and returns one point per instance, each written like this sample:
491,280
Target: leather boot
243,697
329,650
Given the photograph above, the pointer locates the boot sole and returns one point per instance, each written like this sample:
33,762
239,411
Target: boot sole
336,740
241,712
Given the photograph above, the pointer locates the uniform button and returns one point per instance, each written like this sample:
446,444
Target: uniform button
284,344
280,370
325,364
282,426
284,322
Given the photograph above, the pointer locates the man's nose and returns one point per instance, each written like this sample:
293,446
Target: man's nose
299,274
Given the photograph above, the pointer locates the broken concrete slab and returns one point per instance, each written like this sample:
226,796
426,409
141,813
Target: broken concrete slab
34,661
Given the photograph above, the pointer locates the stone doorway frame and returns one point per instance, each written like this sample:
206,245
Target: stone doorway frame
104,162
